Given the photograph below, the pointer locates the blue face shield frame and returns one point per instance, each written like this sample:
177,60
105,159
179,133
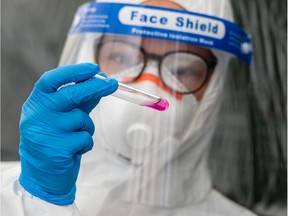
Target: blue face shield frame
163,23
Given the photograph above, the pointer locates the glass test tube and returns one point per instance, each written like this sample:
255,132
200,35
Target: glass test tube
139,97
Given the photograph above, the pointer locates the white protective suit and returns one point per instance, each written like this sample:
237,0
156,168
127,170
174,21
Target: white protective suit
131,169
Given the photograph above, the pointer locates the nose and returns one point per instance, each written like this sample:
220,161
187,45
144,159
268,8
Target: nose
151,73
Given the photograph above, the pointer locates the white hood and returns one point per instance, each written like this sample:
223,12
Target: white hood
170,176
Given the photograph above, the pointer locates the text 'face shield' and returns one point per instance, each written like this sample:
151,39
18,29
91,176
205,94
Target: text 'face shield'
163,24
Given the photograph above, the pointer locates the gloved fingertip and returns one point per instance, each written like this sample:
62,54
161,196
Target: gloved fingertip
87,148
111,87
102,74
90,145
114,83
91,66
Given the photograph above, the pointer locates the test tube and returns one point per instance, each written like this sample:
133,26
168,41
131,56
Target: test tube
139,97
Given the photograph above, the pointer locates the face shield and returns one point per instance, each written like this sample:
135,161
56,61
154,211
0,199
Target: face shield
173,53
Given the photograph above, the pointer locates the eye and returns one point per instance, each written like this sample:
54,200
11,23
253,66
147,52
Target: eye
187,72
120,59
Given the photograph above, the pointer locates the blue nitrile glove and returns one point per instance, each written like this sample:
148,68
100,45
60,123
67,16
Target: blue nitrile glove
55,130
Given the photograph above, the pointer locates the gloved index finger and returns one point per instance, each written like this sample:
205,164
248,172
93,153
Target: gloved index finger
91,90
51,80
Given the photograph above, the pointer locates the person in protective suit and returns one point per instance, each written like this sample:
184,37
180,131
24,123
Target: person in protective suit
143,162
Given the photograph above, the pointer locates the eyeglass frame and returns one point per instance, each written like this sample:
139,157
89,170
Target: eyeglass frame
211,64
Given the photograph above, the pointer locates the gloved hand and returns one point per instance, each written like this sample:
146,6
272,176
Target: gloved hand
55,130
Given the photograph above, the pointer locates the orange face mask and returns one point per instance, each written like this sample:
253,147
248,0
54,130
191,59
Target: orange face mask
156,80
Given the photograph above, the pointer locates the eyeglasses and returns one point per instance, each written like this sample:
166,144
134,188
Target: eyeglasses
180,71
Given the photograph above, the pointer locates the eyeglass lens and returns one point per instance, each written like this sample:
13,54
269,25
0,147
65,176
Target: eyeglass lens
182,72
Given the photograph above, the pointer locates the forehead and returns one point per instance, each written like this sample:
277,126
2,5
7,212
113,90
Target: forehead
158,46
163,3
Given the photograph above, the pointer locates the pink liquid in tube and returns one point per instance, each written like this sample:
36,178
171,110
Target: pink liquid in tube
139,97
161,105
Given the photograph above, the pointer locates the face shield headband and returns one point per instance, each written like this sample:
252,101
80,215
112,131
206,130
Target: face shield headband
163,23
